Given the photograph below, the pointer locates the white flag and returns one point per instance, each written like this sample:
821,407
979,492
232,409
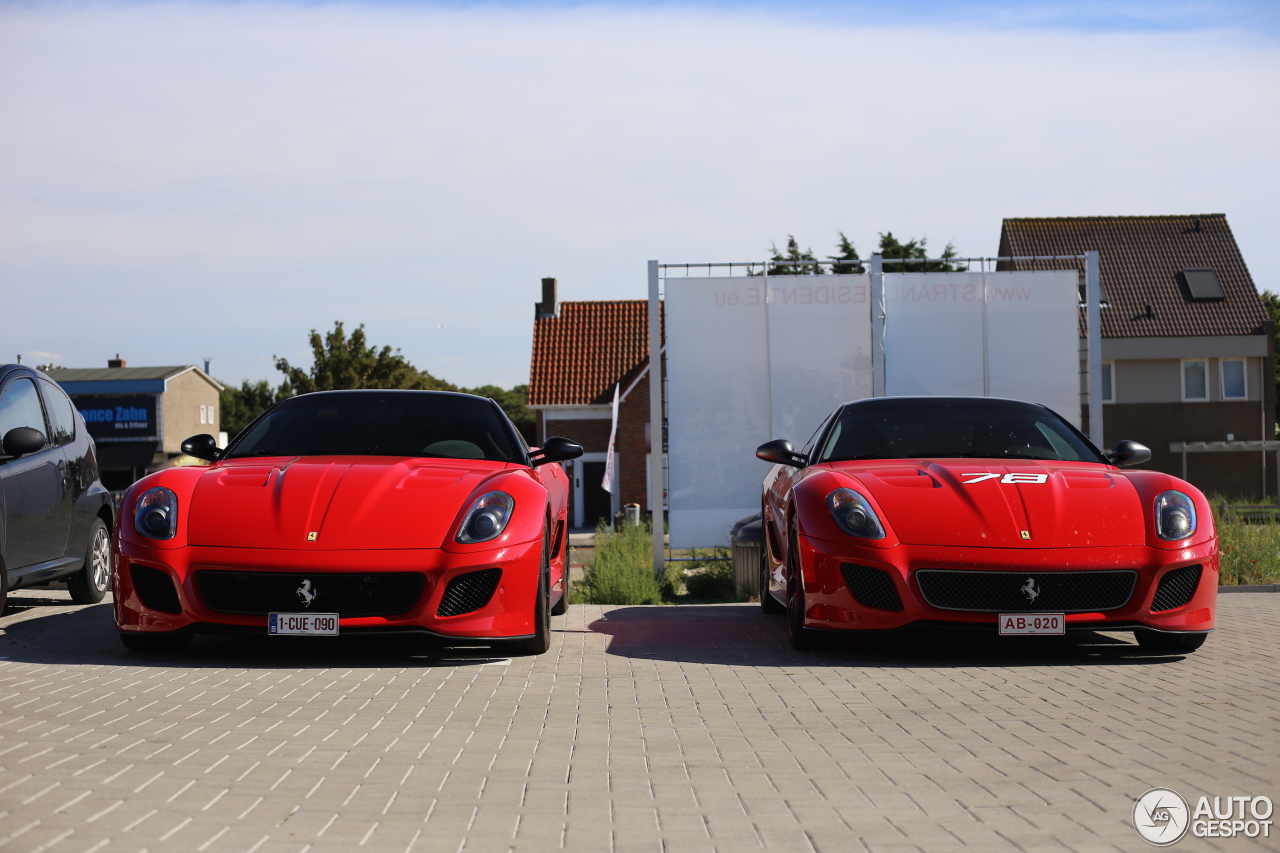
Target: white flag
607,482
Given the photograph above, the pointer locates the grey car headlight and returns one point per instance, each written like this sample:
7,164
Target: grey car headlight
487,518
156,515
1175,516
853,514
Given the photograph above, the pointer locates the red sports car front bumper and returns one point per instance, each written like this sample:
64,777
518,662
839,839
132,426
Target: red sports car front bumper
831,604
508,613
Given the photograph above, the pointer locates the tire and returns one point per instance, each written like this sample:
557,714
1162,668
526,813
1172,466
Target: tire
1158,641
541,639
156,644
89,585
562,606
802,639
4,587
768,603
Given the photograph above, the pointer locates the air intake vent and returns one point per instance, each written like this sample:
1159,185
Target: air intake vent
349,594
871,587
468,593
1019,592
155,589
1176,588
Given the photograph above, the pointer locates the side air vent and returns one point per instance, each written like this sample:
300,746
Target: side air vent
1176,588
468,593
871,587
155,588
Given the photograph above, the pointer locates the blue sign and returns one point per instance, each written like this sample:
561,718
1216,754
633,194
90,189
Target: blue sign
109,416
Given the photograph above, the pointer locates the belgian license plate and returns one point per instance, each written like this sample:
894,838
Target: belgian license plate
1032,623
308,624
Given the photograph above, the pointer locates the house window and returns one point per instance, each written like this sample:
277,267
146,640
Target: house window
1233,379
203,415
1108,381
1195,379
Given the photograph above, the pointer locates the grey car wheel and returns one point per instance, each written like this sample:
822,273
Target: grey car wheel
89,585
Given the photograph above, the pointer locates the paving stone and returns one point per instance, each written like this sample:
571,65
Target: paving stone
644,729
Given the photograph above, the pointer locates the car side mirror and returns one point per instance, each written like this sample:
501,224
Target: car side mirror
555,449
780,452
1129,453
20,441
202,446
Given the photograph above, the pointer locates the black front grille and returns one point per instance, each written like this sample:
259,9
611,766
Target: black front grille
155,589
345,593
1021,592
1176,588
468,593
871,587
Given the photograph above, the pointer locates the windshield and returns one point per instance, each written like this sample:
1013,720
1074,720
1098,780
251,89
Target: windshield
949,427
392,423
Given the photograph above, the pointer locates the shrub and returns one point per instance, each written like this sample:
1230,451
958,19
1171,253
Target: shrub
621,569
711,579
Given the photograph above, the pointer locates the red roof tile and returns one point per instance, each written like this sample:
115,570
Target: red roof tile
1141,258
580,355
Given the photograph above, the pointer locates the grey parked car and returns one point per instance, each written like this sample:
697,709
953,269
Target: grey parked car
56,516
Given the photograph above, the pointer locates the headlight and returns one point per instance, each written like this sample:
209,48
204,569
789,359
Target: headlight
1175,516
487,517
156,516
854,514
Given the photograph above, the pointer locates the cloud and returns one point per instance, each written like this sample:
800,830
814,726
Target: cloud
184,180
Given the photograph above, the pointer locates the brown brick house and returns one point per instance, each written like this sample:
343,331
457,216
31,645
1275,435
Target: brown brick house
581,351
1187,347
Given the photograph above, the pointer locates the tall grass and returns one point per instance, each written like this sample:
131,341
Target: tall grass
1249,551
621,569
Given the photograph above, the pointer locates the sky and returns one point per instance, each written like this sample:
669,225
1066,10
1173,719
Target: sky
191,180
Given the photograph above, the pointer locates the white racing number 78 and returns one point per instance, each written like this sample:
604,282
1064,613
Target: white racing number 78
1007,478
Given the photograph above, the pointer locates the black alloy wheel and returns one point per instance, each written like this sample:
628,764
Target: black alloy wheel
156,644
1159,641
541,639
562,606
802,638
768,603
89,585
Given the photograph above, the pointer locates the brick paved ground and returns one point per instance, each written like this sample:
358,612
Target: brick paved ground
647,729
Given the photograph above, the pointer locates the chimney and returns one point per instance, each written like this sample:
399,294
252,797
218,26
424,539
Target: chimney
116,362
547,307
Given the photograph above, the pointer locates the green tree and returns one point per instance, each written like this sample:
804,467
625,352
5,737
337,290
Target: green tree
846,252
890,247
847,261
805,263
1271,302
239,406
340,362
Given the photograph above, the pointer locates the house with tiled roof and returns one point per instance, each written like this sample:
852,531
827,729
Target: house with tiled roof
1187,346
582,351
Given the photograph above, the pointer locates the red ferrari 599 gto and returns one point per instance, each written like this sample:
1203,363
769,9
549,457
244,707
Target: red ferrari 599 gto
981,513
351,511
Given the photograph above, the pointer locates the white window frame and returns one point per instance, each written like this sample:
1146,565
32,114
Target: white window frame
203,415
1109,367
1222,377
1183,379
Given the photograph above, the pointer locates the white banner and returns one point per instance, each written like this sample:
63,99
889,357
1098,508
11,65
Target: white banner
743,368
1022,341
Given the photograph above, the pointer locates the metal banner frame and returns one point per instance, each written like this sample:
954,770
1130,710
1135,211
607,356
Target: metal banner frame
656,270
